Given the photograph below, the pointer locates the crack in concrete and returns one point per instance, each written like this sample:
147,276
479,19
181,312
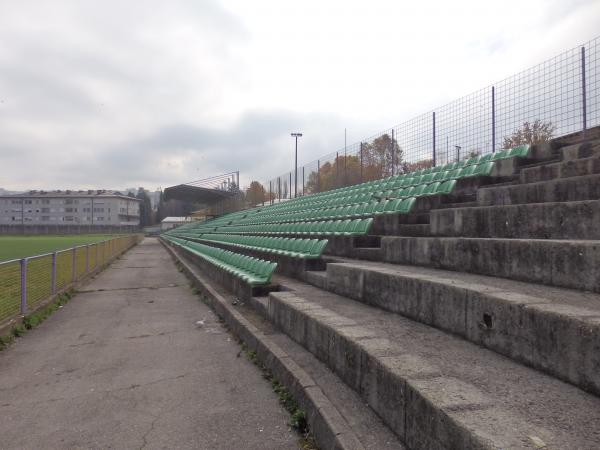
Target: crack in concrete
87,291
111,391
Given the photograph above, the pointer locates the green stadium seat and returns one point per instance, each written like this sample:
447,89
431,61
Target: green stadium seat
521,151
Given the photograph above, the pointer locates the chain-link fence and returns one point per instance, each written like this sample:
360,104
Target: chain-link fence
24,283
557,97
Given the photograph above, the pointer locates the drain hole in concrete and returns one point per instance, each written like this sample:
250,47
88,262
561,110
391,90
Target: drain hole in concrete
488,320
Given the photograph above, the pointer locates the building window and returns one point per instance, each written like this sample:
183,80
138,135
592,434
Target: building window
45,218
45,201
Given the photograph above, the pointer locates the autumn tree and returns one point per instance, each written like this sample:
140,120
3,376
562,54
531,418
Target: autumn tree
256,193
379,159
530,133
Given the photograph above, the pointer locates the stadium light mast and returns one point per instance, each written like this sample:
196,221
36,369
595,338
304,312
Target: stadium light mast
296,135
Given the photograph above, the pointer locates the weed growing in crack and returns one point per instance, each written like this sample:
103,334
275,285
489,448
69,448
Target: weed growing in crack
297,415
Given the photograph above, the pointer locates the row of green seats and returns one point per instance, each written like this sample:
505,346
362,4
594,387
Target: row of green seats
296,248
456,170
254,271
522,151
365,209
358,201
347,227
475,166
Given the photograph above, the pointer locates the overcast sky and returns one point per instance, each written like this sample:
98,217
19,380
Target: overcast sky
114,94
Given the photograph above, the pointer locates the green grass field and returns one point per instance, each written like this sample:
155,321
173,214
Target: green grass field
13,247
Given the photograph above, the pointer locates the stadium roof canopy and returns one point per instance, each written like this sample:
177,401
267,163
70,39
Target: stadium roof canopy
206,191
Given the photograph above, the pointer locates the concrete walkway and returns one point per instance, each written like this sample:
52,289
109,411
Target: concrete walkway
124,365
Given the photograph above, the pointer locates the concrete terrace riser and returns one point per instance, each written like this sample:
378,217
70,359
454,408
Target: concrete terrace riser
571,264
564,343
566,169
414,403
572,220
559,190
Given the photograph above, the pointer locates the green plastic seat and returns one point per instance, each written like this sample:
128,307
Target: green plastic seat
425,179
418,190
521,151
431,188
392,206
484,170
440,176
500,155
473,160
446,187
486,158
466,171
363,227
407,205
380,208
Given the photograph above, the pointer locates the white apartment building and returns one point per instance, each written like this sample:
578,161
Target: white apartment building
97,207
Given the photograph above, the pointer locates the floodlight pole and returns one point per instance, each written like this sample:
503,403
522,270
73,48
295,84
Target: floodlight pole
296,136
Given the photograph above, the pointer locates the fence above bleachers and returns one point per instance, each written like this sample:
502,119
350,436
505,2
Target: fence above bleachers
557,97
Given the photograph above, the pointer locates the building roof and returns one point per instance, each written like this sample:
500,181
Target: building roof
95,193
176,219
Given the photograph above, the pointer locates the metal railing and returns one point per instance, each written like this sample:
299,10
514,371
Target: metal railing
557,97
26,282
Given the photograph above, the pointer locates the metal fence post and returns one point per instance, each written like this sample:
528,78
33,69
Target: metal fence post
337,168
87,258
361,162
393,153
434,139
303,181
318,175
493,119
279,188
270,195
97,248
24,286
53,273
583,91
74,268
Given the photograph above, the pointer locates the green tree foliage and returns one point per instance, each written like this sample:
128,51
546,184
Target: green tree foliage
530,133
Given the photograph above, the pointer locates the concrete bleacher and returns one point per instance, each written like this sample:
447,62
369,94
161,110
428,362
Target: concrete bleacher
470,320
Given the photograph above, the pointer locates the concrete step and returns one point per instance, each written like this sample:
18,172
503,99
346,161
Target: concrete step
551,329
563,169
564,263
368,429
436,391
564,220
414,230
337,416
558,190
580,150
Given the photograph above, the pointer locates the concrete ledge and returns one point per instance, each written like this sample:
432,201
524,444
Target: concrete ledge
328,426
235,284
425,409
565,220
558,190
559,338
564,169
565,263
